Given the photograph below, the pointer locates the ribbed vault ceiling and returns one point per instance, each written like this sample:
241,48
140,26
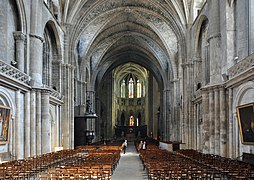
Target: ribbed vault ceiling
108,33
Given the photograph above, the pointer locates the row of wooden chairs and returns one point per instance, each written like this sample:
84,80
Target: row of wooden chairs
99,164
77,172
231,167
190,164
29,167
40,166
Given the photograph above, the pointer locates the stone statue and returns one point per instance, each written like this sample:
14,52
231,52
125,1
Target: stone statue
88,107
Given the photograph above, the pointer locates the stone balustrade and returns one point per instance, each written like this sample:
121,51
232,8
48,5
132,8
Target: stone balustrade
14,73
56,94
241,66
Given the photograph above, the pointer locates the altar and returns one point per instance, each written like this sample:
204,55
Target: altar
131,132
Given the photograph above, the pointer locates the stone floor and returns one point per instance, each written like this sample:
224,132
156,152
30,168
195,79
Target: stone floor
130,166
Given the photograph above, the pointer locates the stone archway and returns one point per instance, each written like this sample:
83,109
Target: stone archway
140,32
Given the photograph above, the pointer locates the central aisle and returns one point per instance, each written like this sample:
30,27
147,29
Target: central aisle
130,166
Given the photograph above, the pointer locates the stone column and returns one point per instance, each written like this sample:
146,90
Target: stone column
214,40
27,125
211,120
166,116
184,121
38,122
230,124
251,26
236,136
190,104
174,113
195,125
36,60
187,106
45,122
198,135
36,43
108,103
19,128
223,123
83,92
59,134
13,135
72,105
217,121
205,105
11,149
67,88
20,58
33,123
68,107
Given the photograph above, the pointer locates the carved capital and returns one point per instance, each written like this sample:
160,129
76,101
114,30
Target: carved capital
45,91
197,60
68,66
174,81
68,26
19,35
184,65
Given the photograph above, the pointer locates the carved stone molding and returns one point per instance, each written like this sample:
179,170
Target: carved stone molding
37,37
80,81
46,89
213,87
213,37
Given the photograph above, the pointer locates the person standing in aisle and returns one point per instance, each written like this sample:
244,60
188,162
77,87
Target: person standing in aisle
124,146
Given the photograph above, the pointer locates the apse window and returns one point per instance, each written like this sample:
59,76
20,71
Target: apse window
123,89
131,88
139,89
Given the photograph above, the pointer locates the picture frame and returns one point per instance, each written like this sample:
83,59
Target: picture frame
5,116
245,115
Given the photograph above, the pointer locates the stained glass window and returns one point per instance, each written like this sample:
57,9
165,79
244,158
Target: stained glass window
123,89
131,123
131,88
139,89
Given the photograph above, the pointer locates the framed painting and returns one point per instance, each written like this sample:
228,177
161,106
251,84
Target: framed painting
5,113
245,114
